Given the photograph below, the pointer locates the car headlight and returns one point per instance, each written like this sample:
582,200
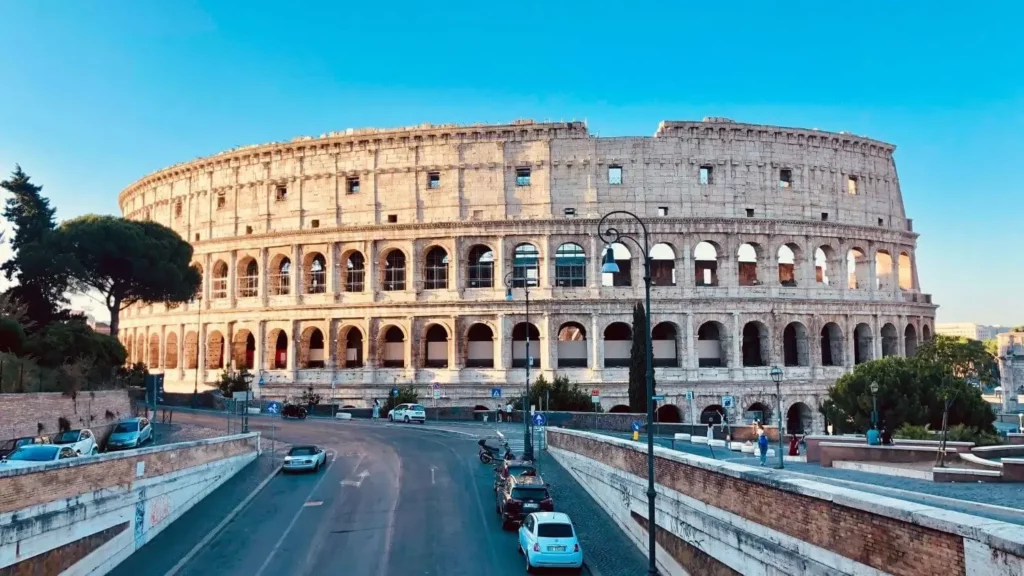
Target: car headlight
287,458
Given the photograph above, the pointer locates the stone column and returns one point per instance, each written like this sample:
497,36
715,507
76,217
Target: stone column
181,352
455,268
201,355
297,273
545,347
872,263
596,360
331,272
851,337
499,264
264,279
260,361
294,341
233,278
736,362
162,351
876,338
499,342
844,269
454,344
371,282
685,274
411,361
595,280
691,345
229,342
896,290
207,281
902,335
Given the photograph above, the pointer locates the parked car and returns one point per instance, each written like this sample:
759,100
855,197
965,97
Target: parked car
506,468
304,458
548,540
293,411
520,496
36,455
408,413
130,433
15,443
82,441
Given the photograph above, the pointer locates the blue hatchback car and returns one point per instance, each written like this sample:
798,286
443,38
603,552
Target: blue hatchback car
130,433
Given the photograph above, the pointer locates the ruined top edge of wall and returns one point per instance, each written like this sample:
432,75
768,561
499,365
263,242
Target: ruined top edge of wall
996,534
85,460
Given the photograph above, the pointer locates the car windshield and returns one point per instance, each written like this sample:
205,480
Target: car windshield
301,451
126,427
69,436
553,530
34,453
416,407
534,494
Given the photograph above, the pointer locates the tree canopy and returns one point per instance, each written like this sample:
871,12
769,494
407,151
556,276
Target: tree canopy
638,362
563,394
967,359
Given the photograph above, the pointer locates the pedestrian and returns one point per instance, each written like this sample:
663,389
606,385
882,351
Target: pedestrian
376,409
711,432
762,443
508,412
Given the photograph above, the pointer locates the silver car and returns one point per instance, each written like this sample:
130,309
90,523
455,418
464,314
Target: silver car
130,433
304,459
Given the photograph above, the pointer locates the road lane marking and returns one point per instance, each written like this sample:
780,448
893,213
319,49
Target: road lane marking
357,483
432,469
313,503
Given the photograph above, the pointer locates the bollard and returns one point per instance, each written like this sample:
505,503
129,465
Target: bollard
636,435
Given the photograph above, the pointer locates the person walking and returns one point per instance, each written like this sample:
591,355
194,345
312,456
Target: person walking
376,409
762,443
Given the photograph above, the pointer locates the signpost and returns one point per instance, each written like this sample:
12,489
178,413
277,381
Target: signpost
394,392
273,408
689,400
728,402
658,397
154,390
636,425
495,392
595,397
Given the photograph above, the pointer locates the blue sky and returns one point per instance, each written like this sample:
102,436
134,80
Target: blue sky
97,94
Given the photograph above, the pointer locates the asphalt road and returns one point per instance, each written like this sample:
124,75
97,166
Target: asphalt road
394,500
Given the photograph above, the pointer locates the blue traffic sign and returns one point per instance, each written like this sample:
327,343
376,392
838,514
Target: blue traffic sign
658,398
273,408
495,392
394,392
636,425
262,381
539,420
436,386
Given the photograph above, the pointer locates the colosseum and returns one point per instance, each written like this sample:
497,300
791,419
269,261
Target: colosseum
361,260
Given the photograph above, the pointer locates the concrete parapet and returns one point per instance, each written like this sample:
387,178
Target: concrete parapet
832,451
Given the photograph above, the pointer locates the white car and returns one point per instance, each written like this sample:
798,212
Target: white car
36,455
548,540
305,458
408,413
82,441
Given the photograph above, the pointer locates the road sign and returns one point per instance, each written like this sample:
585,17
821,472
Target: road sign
658,397
727,402
154,389
273,408
636,425
437,393
262,381
689,395
435,386
539,420
595,396
394,392
495,392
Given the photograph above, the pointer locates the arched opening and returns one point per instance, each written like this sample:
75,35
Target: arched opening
394,271
712,351
619,409
219,288
525,336
280,279
794,345
758,412
799,419
618,340
311,352
883,271
663,345
437,347
747,256
214,350
831,345
394,348
857,265
572,346
352,347
243,349
248,278
191,350
926,333
480,407
863,344
756,349
906,272
910,340
435,269
570,266
481,267
712,414
154,351
705,264
787,257
624,260
129,349
668,414
890,341
823,257
171,351
525,266
278,349
663,265
480,353
316,273
355,272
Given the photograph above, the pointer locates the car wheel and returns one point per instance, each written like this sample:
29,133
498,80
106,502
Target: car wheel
406,419
95,451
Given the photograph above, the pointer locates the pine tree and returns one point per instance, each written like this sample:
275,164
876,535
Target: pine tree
638,362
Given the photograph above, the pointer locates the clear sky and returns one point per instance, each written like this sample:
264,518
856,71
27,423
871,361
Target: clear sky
98,94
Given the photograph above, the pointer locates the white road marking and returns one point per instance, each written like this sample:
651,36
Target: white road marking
357,483
432,468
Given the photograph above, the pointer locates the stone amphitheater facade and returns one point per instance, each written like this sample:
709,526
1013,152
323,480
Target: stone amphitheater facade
366,259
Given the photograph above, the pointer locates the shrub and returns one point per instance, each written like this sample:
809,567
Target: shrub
912,432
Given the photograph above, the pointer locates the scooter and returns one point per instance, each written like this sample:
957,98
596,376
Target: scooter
488,453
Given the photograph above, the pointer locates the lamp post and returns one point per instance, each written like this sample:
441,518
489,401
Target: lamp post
248,398
510,281
874,405
611,235
777,378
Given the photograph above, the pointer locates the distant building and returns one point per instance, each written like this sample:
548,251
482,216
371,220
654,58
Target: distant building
970,330
98,327
1011,367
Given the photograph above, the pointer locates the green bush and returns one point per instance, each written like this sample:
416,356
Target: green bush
961,433
912,432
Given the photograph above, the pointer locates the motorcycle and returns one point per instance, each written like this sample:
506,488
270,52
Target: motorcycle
488,453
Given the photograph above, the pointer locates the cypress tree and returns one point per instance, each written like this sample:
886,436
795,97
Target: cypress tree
638,362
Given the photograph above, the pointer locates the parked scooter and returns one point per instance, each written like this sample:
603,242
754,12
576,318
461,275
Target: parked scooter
488,453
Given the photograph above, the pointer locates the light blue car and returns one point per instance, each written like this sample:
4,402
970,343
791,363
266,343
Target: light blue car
548,540
130,433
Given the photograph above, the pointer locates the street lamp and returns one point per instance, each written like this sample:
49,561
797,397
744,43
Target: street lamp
611,235
509,284
248,398
777,378
874,405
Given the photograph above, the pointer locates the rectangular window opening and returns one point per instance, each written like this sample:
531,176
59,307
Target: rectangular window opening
824,216
197,236
785,178
314,223
392,218
522,176
352,185
570,212
750,212
881,222
706,176
478,214
177,208
433,179
851,184
221,201
662,210
248,229
615,175
281,193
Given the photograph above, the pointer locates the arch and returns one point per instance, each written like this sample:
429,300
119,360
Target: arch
832,347
314,267
910,340
480,351
480,270
756,347
523,335
355,271
171,351
280,278
619,409
883,270
624,260
759,412
435,269
906,278
824,256
857,267
312,349
926,333
219,288
705,264
663,265
350,340
129,349
437,346
890,341
799,419
795,345
712,345
191,350
712,414
668,414
572,345
154,351
480,407
664,344
241,356
747,257
525,265
277,349
618,343
394,271
248,278
787,257
570,266
393,350
214,350
863,344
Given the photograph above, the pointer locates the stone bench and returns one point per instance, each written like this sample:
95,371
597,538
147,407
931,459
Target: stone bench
832,451
814,441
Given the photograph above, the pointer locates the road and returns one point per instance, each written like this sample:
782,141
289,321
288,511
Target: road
394,500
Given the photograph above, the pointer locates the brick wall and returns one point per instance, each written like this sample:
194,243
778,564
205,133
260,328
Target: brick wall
20,414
